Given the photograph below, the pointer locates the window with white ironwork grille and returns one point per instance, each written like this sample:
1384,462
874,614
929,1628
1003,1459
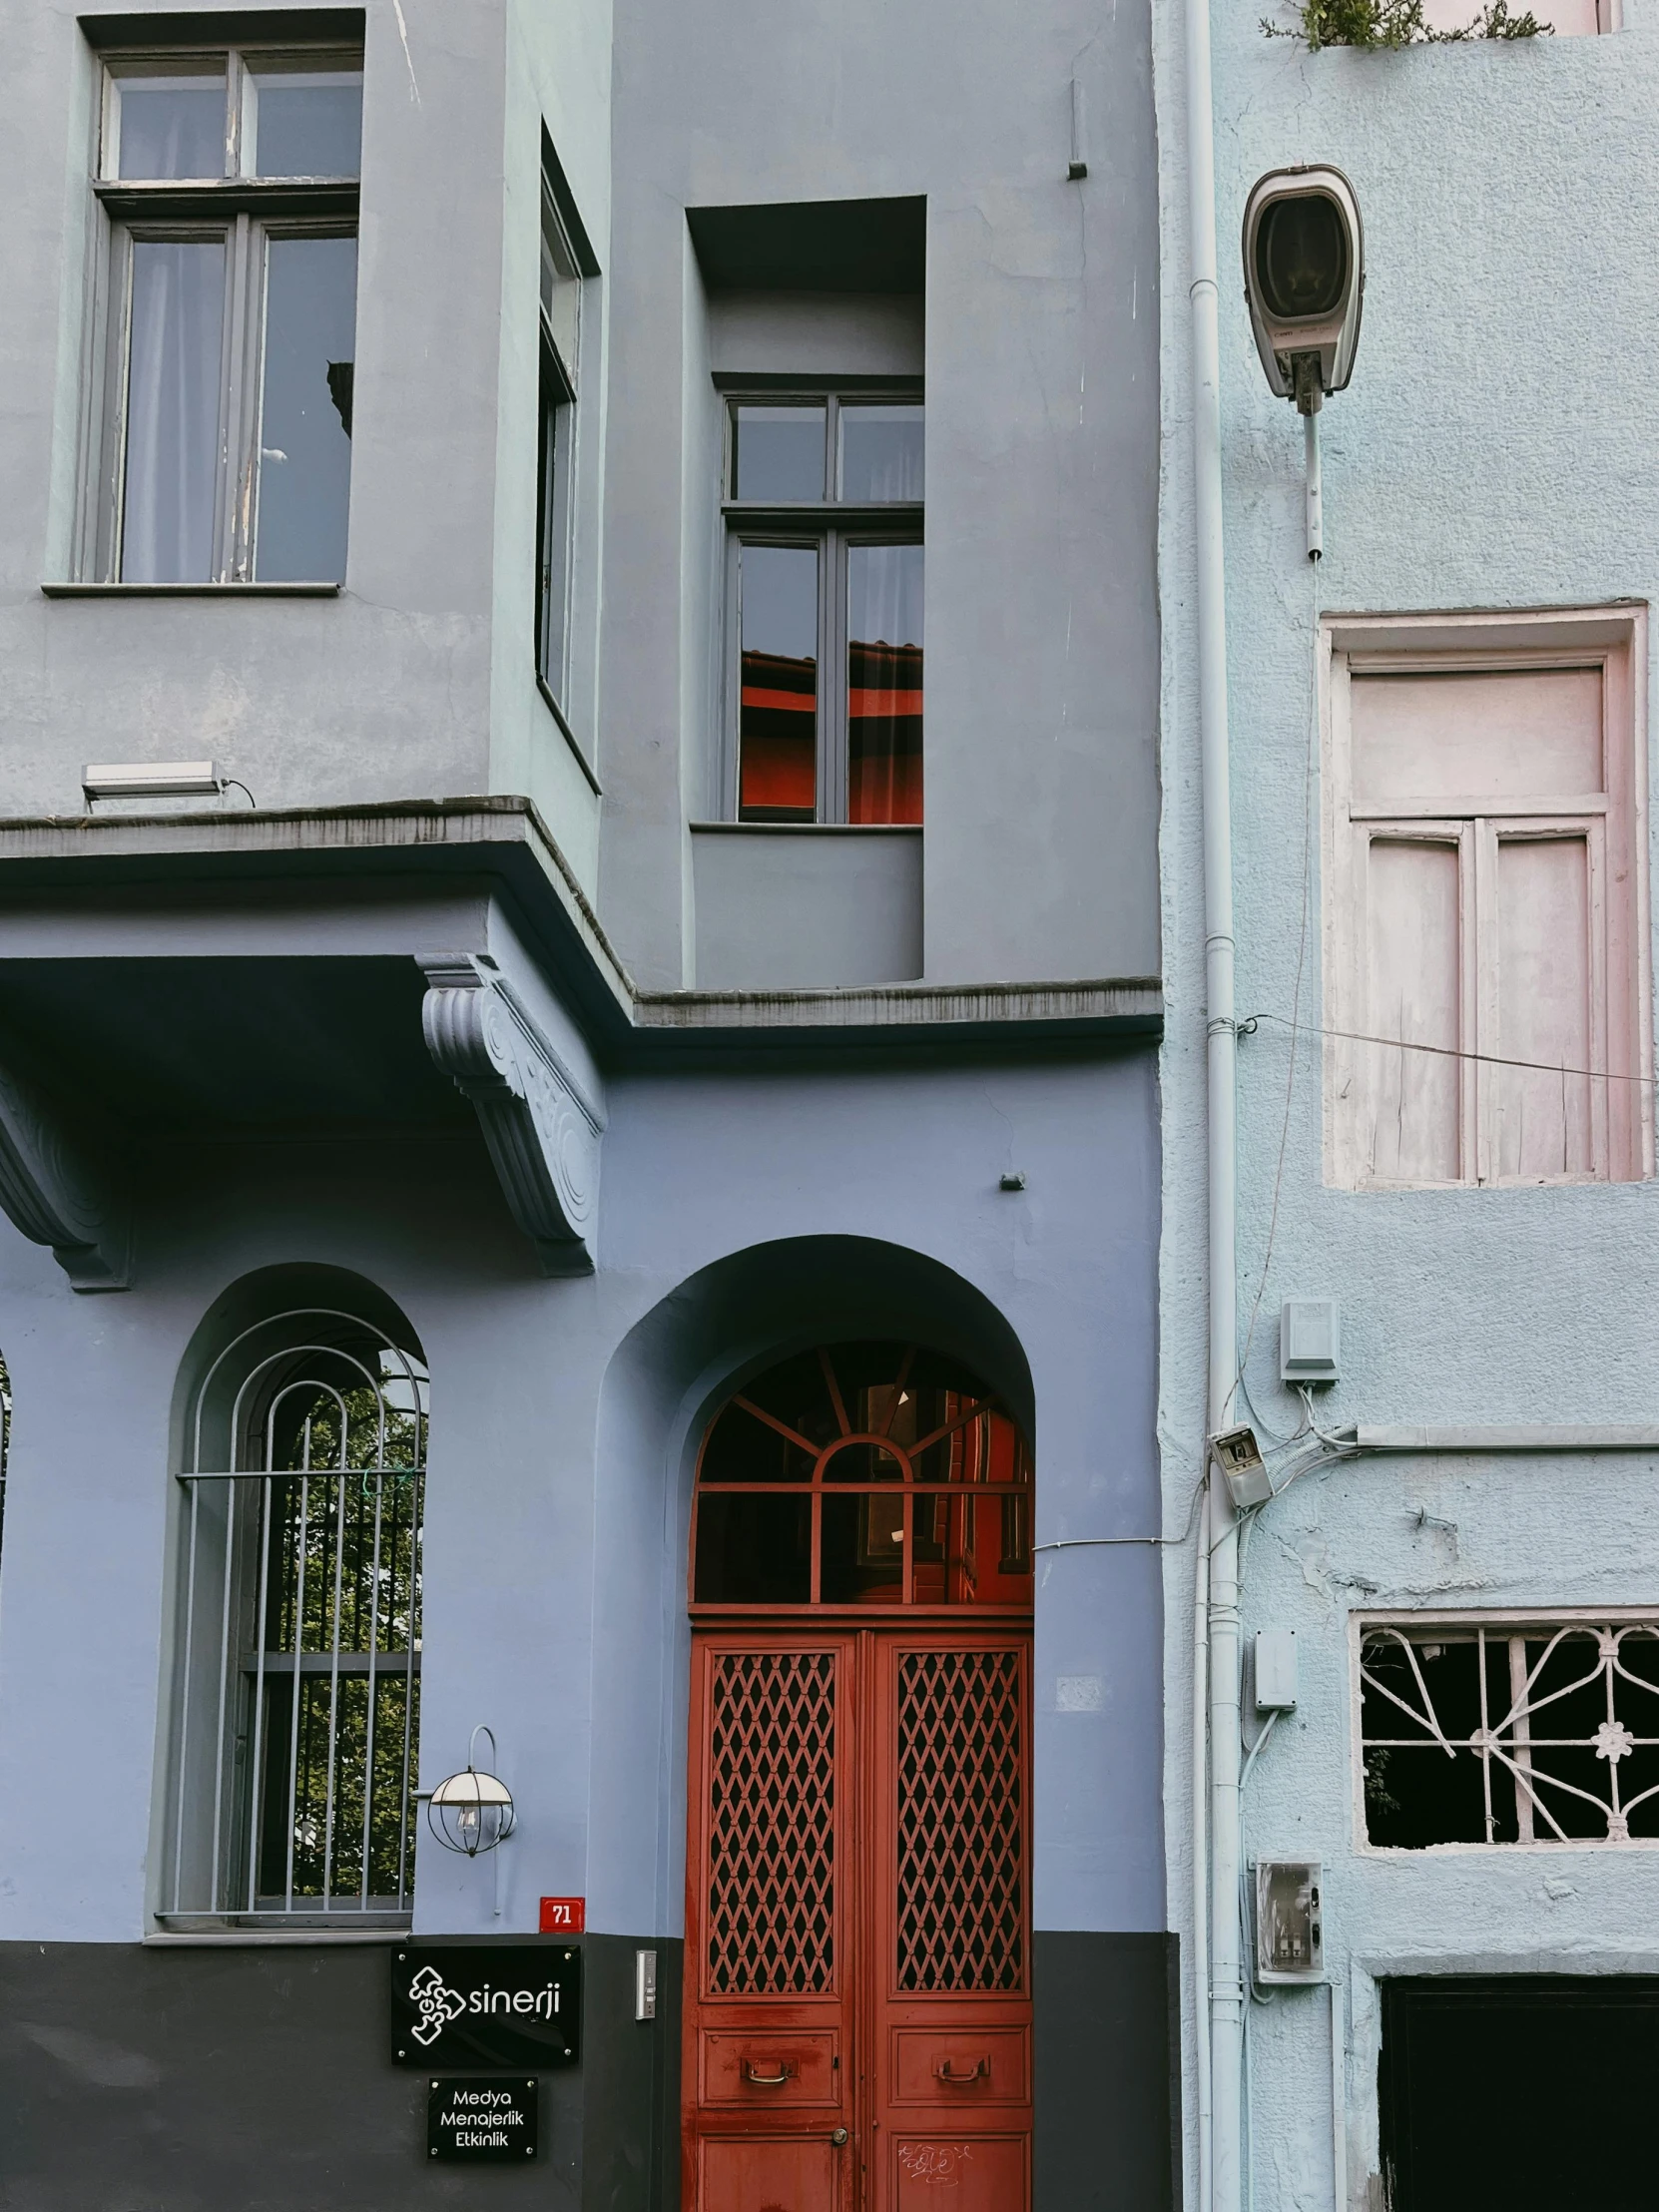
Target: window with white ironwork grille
297,1690
1510,1731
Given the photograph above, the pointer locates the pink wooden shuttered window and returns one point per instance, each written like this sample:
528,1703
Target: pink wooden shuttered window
1485,930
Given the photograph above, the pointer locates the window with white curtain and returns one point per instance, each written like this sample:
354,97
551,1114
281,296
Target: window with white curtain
228,181
1486,961
823,515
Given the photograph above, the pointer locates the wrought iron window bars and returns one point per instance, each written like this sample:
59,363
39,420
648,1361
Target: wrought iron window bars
1510,1731
298,1669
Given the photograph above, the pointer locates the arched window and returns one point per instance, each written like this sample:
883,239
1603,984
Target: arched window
864,1474
297,1691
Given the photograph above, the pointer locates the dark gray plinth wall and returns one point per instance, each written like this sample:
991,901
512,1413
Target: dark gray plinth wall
201,2077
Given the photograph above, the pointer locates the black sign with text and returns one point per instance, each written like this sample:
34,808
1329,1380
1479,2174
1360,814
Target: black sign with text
482,2119
515,2005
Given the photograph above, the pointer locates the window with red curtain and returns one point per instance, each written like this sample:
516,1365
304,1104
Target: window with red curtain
825,519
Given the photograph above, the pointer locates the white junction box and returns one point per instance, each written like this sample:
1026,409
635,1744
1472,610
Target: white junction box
1289,1920
1310,1340
1276,1670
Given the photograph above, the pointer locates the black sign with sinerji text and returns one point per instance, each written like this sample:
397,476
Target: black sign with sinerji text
515,2005
482,2118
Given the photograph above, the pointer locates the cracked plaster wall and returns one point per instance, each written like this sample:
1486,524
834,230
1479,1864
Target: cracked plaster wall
1489,455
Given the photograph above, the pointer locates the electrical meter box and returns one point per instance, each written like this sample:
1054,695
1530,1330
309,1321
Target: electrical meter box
1289,1920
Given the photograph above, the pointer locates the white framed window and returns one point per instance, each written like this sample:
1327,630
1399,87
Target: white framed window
221,451
1486,921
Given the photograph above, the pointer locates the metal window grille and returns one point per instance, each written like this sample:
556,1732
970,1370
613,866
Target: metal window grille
1510,1732
297,1696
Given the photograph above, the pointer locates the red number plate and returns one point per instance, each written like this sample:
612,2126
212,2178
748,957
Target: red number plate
563,1916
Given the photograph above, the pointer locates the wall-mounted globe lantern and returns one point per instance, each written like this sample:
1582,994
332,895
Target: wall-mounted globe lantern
473,1811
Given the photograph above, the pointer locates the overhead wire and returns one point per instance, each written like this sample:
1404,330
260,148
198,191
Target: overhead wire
1439,1051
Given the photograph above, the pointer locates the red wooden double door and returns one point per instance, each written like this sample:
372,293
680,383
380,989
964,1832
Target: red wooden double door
858,2024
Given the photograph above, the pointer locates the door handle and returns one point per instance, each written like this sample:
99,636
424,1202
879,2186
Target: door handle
838,2136
945,2072
765,2081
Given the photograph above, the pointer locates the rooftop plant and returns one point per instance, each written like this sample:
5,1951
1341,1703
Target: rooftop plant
1374,24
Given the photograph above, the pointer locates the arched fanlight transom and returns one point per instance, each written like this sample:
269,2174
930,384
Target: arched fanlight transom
868,1472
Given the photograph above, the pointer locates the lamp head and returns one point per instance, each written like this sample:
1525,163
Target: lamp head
1305,280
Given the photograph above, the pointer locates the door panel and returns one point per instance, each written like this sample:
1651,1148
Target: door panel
986,2173
948,1748
952,2067
767,2070
768,1917
858,1923
751,2174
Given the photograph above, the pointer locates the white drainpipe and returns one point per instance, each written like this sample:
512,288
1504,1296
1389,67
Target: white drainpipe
1222,1999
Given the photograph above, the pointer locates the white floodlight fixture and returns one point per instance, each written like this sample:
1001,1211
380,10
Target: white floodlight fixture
1305,280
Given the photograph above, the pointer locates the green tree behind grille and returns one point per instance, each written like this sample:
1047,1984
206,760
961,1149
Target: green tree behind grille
342,1562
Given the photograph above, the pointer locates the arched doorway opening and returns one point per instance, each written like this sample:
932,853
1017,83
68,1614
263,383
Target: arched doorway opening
857,2014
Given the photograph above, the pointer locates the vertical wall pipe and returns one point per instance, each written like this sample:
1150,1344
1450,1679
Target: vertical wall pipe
1201,1862
1226,1989
1314,495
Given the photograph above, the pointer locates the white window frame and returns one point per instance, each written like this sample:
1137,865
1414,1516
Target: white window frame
1613,823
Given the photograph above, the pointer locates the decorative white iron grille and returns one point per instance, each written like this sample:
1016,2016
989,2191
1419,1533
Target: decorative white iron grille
1510,1732
299,1678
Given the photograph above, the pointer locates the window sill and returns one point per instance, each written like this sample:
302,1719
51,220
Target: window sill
807,829
174,1938
568,734
192,591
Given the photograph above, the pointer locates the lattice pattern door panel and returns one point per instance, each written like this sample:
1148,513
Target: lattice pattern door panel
962,1822
770,1929
770,1877
950,2067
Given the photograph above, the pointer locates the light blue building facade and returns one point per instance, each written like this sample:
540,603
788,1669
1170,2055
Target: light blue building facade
1476,1190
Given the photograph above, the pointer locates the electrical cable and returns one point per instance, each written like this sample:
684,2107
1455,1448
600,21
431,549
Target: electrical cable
1084,1543
1446,1051
1250,1757
1324,1437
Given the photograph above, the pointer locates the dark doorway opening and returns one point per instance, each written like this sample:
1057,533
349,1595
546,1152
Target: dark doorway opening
1529,2094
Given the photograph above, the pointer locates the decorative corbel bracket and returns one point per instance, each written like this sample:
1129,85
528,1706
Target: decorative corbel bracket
541,1128
53,1194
